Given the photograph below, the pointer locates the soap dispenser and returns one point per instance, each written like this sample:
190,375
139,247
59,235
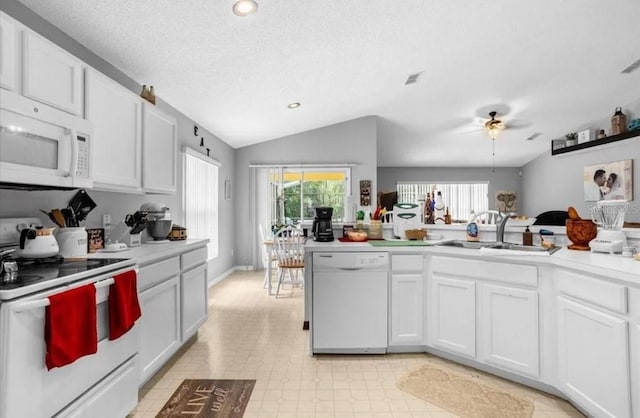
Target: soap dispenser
527,237
473,234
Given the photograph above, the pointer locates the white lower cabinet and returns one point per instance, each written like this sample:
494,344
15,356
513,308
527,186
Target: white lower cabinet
509,325
452,314
635,367
406,309
193,292
593,359
159,326
406,316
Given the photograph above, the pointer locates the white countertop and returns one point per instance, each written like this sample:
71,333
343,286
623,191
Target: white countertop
148,253
612,266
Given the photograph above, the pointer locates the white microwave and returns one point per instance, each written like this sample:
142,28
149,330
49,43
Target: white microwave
42,146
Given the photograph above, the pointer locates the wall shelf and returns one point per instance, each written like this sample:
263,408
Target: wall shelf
596,142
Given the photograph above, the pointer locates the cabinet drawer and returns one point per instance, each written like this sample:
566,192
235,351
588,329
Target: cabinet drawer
486,270
600,293
407,262
193,258
152,274
115,396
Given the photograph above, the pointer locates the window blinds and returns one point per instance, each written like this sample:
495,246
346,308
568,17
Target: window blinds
201,199
461,198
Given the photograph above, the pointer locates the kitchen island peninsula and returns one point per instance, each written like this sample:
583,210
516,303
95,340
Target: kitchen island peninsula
540,319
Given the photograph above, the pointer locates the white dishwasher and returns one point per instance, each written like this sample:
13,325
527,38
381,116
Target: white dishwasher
350,302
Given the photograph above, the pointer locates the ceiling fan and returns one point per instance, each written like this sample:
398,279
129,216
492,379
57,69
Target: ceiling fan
494,124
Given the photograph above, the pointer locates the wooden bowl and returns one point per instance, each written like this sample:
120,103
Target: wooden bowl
580,232
415,234
357,235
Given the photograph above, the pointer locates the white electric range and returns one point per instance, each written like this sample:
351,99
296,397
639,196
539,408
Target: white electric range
104,384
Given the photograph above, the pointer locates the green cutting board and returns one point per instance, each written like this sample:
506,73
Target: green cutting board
398,243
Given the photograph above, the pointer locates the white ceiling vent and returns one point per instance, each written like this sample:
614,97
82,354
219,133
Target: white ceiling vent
534,136
413,78
631,68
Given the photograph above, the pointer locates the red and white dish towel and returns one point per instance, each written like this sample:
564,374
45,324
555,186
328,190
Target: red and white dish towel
124,308
70,326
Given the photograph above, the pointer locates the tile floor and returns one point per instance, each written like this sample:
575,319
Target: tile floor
250,335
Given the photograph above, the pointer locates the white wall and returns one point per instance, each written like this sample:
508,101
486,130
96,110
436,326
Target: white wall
347,142
22,203
555,182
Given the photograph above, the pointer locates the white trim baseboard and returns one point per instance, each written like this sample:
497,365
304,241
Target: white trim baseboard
226,274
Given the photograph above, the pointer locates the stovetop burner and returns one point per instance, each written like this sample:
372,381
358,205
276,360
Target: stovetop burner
36,270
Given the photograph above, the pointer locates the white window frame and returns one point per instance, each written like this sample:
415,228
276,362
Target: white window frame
277,207
202,191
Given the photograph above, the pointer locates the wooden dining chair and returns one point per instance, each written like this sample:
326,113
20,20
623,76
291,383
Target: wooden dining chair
289,242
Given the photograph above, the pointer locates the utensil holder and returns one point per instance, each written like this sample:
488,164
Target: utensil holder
375,229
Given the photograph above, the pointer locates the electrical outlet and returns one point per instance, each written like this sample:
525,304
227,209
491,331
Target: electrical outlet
106,221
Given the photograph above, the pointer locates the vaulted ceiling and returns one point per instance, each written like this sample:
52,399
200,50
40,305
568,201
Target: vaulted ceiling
547,67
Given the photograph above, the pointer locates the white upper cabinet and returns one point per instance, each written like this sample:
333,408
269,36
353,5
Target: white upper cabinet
8,53
116,116
159,151
50,74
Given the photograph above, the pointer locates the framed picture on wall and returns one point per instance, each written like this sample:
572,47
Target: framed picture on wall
506,201
608,181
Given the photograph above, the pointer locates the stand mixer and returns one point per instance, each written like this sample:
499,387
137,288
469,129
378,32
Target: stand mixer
609,216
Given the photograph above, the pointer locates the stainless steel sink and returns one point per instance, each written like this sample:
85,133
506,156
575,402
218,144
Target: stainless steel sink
465,244
525,248
494,245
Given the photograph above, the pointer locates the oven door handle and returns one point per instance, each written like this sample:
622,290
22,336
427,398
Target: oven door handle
41,303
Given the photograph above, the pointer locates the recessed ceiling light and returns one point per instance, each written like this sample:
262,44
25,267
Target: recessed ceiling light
293,105
245,7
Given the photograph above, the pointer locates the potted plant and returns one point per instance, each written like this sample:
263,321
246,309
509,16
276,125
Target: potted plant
572,139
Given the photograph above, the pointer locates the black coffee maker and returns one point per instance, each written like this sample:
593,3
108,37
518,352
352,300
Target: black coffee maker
322,228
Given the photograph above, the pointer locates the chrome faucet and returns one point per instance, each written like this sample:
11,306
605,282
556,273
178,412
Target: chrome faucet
501,220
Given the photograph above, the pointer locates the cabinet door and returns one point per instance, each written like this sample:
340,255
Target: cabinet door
193,290
509,324
593,359
8,53
116,116
452,315
159,326
406,309
158,151
50,74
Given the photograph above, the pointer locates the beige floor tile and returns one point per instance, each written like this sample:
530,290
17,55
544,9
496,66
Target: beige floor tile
250,335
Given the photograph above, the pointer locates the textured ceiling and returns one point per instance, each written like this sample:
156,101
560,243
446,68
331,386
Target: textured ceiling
555,65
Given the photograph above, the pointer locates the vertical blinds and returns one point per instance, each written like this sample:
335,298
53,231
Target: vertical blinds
201,200
461,198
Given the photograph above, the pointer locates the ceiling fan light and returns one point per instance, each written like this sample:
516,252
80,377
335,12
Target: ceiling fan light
493,131
244,7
